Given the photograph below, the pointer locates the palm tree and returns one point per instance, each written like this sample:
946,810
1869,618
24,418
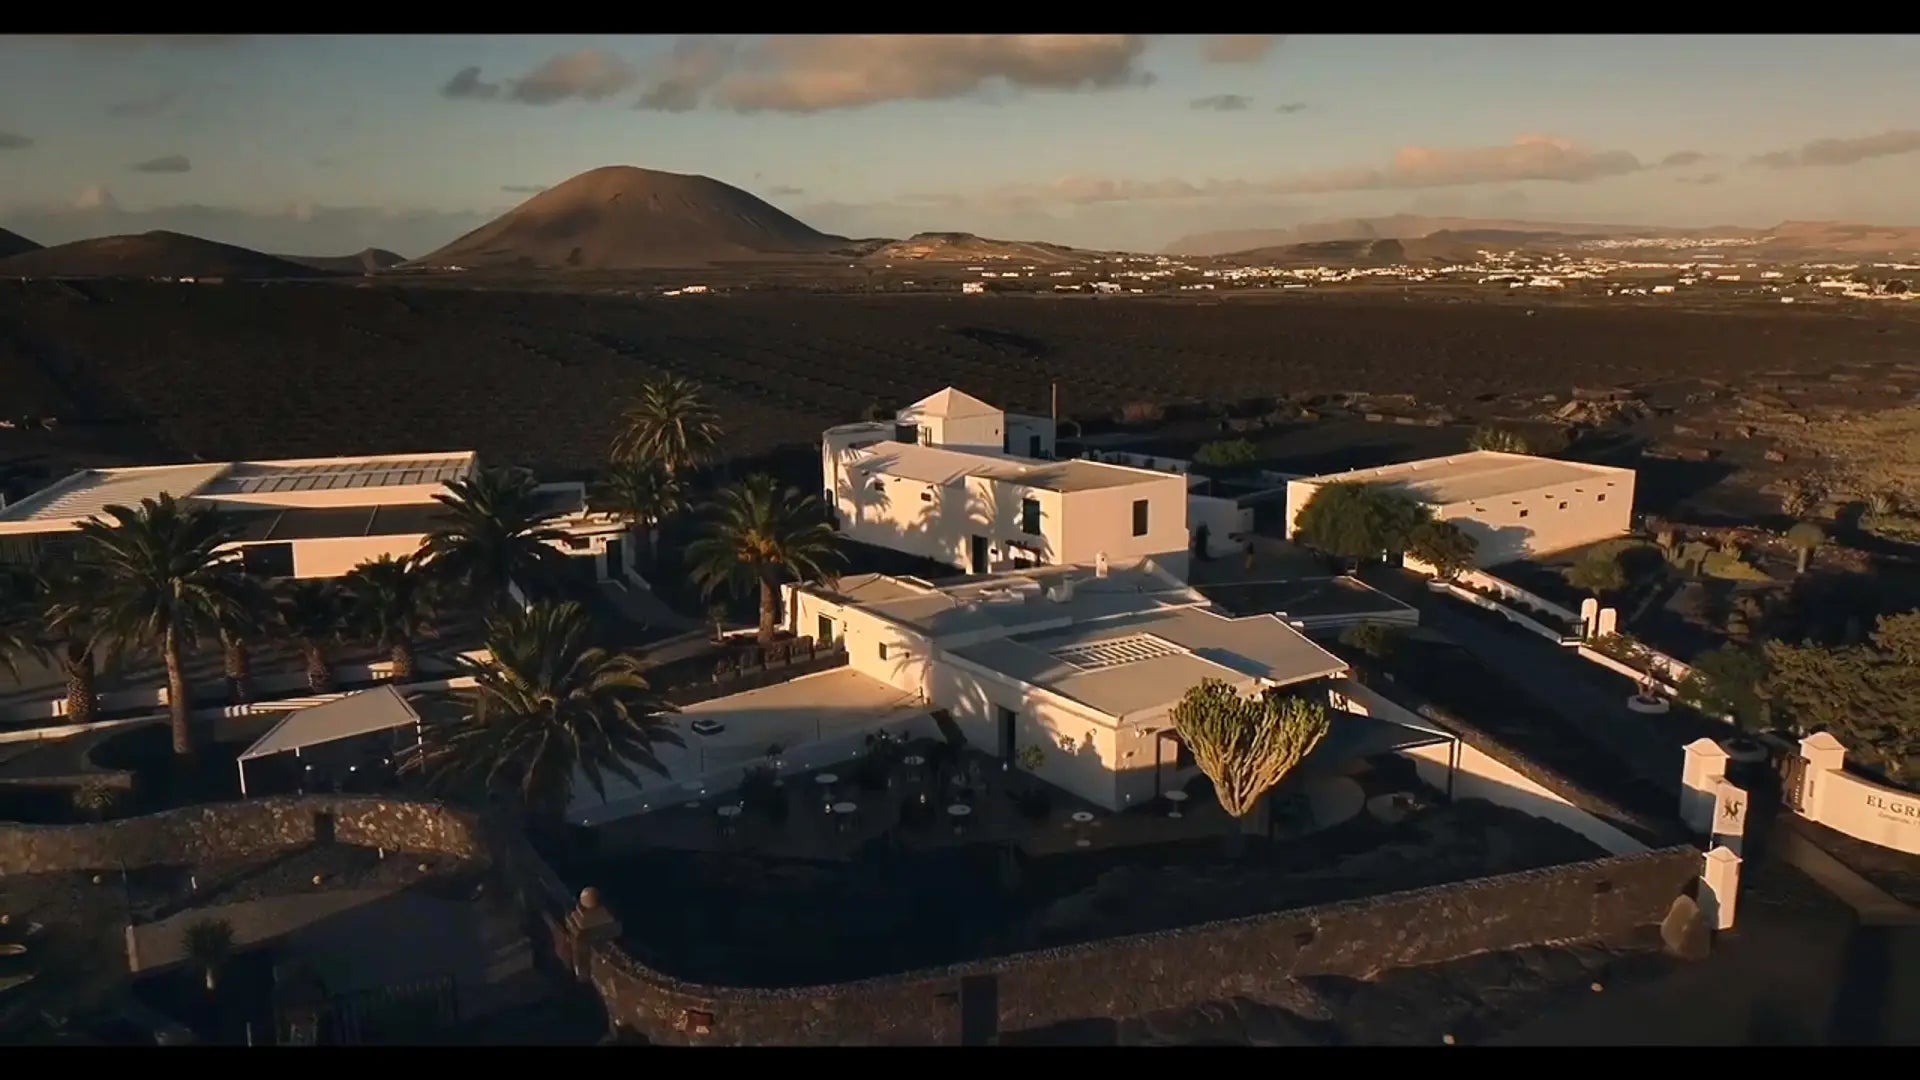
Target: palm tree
1246,745
241,624
549,703
642,494
390,602
162,581
671,423
759,534
493,534
311,614
38,618
209,943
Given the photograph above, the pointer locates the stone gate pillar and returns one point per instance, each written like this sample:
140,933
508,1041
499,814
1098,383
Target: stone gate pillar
1589,618
1705,766
1719,887
1729,816
1823,754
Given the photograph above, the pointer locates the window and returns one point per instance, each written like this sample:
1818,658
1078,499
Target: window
926,437
1030,516
1563,504
824,633
883,650
1523,513
1601,498
268,560
1139,517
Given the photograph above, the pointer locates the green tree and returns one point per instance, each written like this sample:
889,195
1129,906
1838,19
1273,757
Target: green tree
1378,640
1600,573
1727,681
312,613
1358,521
642,494
162,582
759,534
1504,440
548,703
1868,696
671,423
1443,546
1805,538
209,944
1227,453
1247,745
391,604
44,614
492,533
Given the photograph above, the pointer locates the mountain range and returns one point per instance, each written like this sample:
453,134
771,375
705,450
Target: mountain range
625,218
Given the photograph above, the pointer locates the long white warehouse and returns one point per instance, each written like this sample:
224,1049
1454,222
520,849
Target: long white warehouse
1517,506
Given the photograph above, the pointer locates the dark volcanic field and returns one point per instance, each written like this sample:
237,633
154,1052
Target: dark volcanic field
171,372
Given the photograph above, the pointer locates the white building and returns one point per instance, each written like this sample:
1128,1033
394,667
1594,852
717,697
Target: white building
305,517
1086,668
938,483
1515,505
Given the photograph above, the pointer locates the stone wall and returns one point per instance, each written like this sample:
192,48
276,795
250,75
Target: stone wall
238,830
1600,900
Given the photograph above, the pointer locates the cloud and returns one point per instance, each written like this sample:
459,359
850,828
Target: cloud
1836,152
11,141
1222,103
169,163
810,73
140,107
1528,158
692,68
466,83
587,74
1291,107
582,75
1702,179
523,189
782,191
1239,48
1680,159
299,229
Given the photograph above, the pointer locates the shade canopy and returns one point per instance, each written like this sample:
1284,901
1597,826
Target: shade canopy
361,713
1355,737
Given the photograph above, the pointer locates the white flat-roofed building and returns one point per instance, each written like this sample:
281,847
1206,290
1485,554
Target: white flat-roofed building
304,517
940,482
1515,505
1085,667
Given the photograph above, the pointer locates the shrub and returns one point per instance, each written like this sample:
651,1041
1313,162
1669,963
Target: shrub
1142,412
1443,546
1228,452
1504,440
1377,640
1358,521
1032,757
97,800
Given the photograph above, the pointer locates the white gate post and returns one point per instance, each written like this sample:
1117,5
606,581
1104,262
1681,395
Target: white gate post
1589,618
1823,754
1706,765
1719,887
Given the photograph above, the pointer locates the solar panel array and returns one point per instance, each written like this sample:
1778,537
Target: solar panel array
273,479
1114,652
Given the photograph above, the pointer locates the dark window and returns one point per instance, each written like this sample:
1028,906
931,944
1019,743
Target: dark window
1030,516
883,650
824,634
1182,755
1602,498
1523,513
1139,517
1563,505
1033,446
268,560
906,433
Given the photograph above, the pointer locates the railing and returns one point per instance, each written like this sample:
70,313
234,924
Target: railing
754,679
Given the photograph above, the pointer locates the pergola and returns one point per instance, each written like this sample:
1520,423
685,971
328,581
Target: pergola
364,712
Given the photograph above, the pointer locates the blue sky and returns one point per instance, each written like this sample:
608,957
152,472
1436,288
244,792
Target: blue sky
323,144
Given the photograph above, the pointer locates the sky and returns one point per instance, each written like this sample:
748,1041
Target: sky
319,145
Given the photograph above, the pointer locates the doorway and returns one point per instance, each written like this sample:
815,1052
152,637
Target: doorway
977,555
1004,724
616,559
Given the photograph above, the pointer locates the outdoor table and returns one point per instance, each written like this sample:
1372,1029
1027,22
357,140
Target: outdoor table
1082,816
914,760
845,807
959,812
1176,798
826,778
842,811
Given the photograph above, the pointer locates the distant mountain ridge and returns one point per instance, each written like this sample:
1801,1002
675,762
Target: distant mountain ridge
945,247
153,255
12,243
1443,237
369,261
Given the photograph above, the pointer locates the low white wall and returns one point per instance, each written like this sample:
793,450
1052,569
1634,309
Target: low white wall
1608,662
1225,519
1476,775
1853,805
1483,580
266,686
1512,616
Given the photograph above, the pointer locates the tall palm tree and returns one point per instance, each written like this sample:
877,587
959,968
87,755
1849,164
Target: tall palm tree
671,423
162,582
549,703
492,533
641,493
760,534
38,618
240,626
311,614
390,602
